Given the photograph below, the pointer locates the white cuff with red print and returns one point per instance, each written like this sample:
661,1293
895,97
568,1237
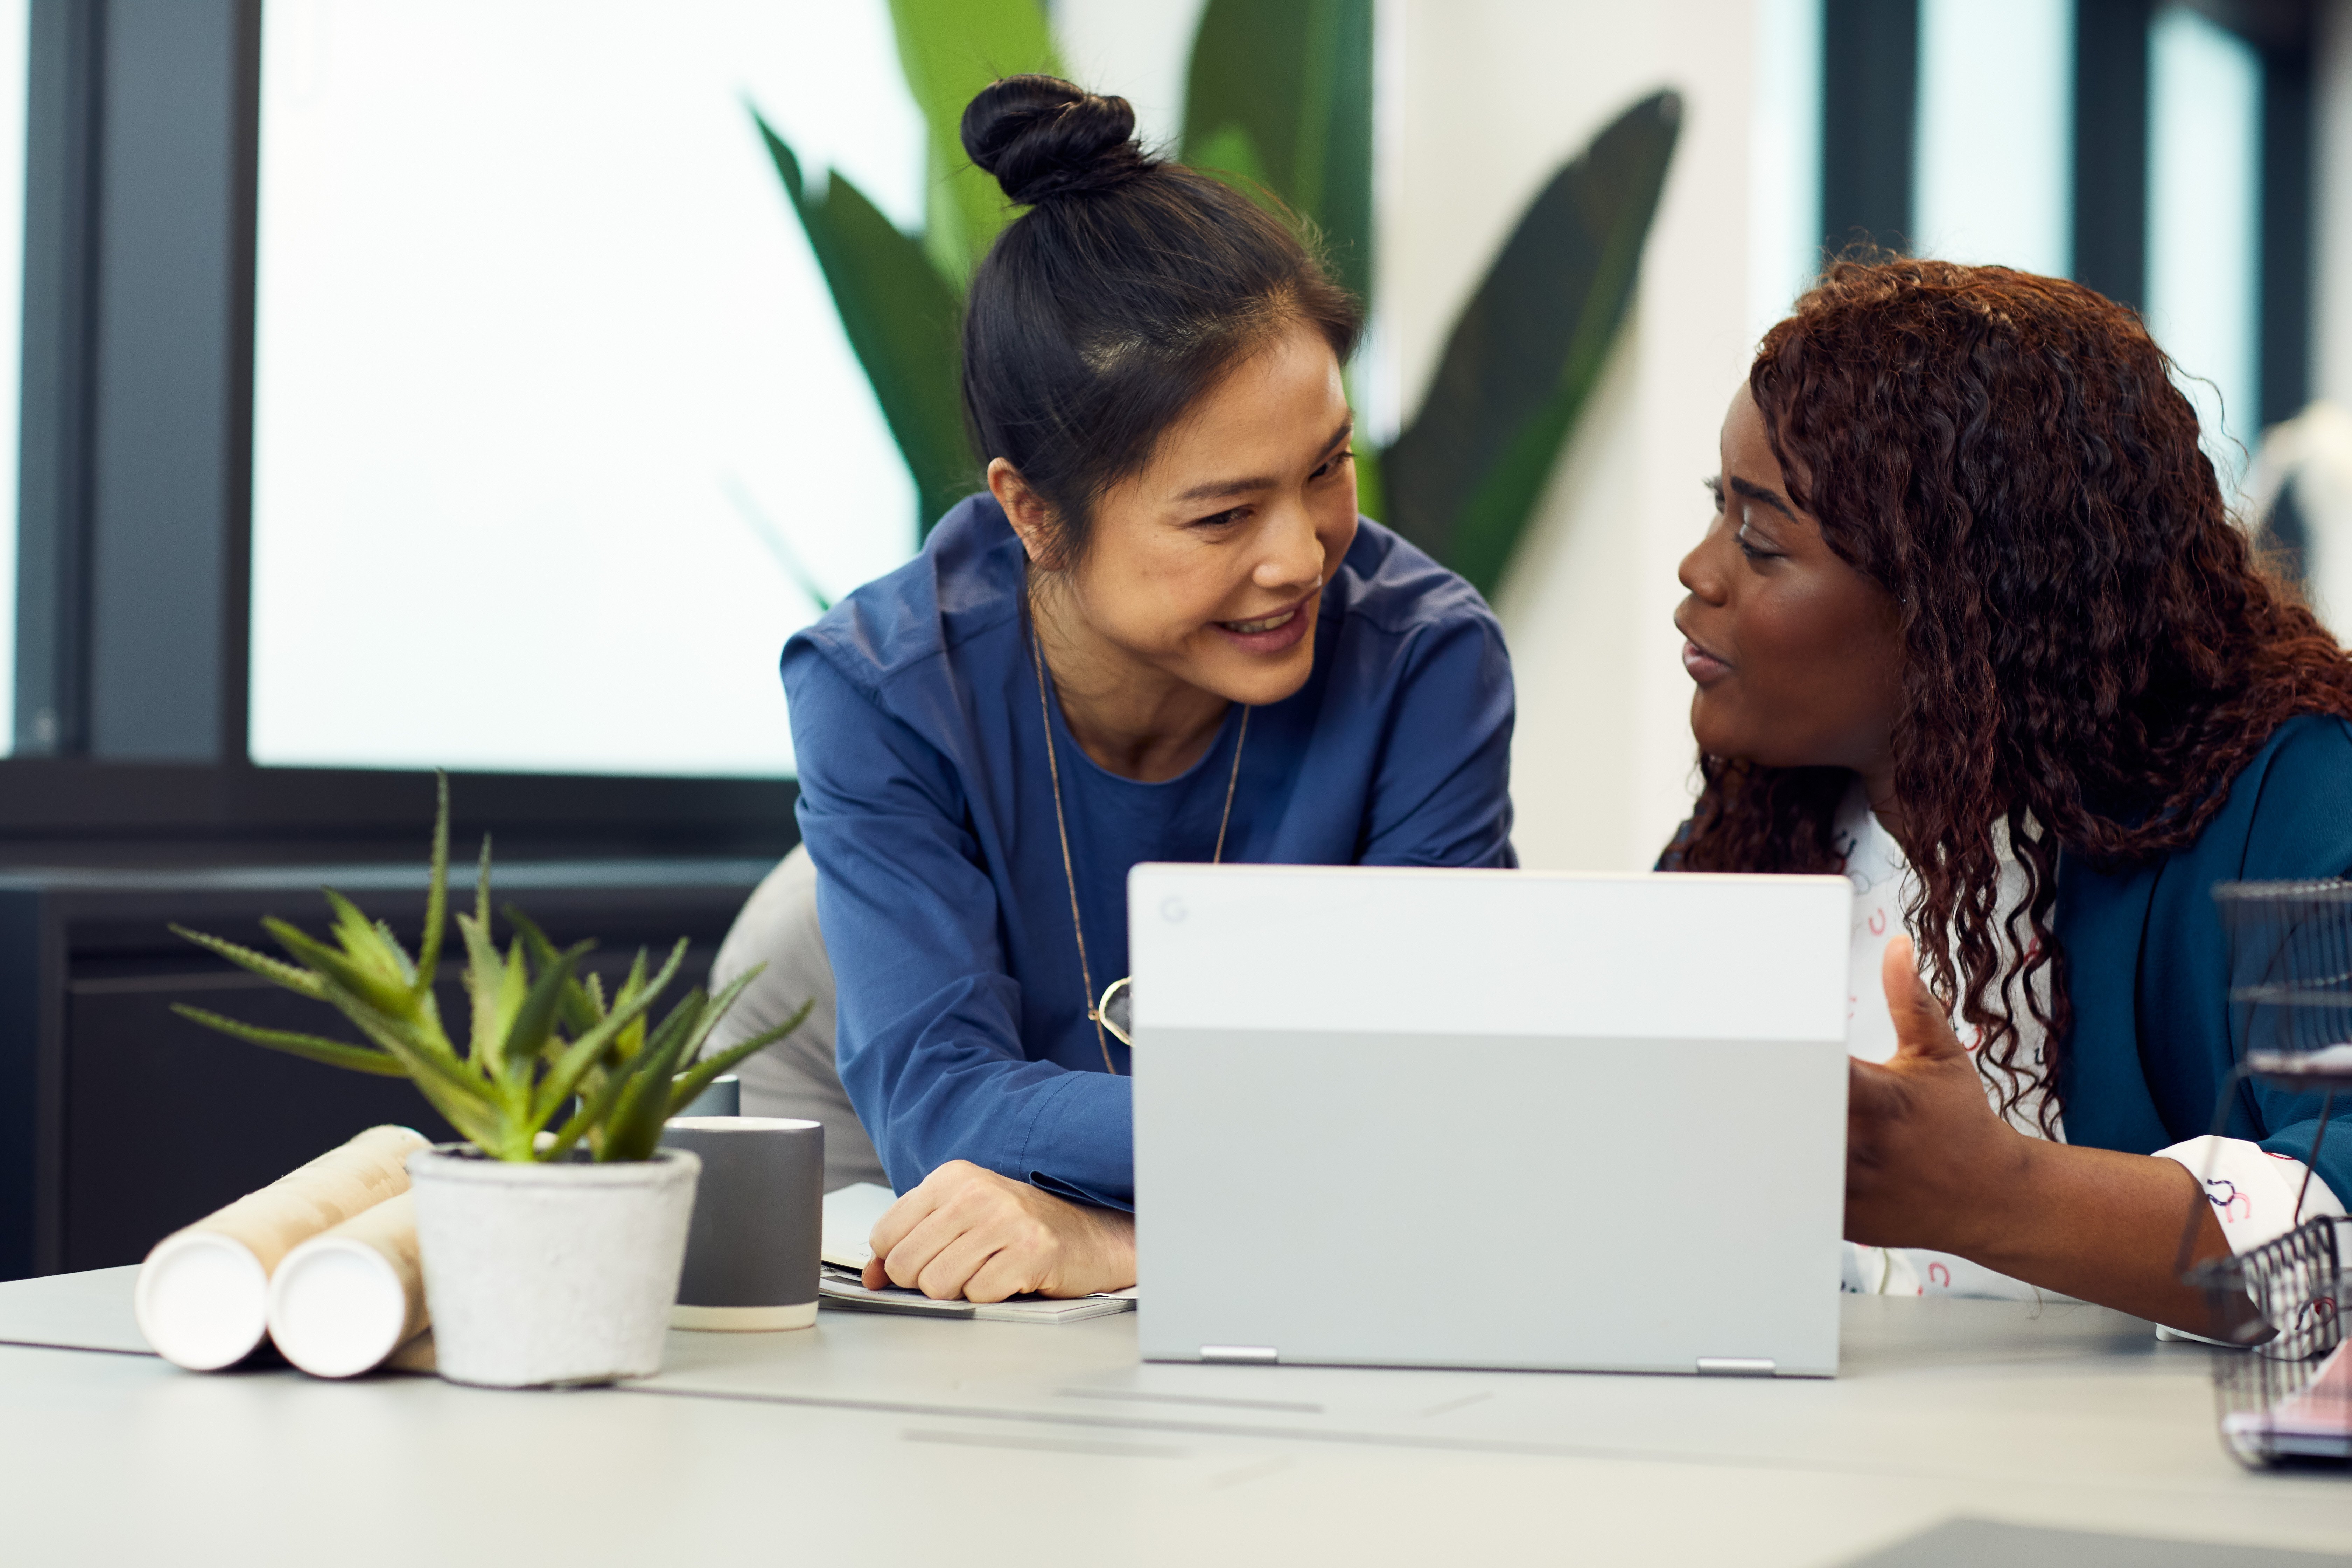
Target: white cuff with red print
2253,1191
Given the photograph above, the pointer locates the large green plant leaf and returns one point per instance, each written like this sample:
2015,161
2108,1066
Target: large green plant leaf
949,50
901,318
1463,478
1280,93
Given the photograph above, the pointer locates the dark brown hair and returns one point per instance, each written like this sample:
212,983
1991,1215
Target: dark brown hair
1129,288
2091,651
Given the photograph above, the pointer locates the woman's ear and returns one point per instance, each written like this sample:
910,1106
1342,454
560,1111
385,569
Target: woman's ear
1030,518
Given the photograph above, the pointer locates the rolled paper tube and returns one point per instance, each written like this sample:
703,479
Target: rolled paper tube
344,1300
203,1297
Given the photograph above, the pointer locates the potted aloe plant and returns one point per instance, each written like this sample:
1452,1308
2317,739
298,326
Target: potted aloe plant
552,1239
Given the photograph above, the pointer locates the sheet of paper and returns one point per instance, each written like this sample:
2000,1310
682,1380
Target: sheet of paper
850,1213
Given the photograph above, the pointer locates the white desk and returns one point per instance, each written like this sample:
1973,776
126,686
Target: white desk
901,1440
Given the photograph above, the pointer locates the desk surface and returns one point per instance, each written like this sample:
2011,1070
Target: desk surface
899,1439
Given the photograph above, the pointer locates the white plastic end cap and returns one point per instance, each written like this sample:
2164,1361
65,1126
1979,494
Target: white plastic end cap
336,1308
202,1300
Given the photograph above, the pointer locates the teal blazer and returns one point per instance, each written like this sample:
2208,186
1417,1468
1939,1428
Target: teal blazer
2153,1039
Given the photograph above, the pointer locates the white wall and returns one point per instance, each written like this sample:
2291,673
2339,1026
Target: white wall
1136,50
1494,95
1483,100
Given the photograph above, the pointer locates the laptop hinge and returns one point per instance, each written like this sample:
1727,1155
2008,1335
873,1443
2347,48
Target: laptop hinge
1736,1366
1251,1355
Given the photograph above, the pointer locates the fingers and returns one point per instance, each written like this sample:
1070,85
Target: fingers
966,1217
1008,1272
909,1211
1921,1027
946,1276
971,1233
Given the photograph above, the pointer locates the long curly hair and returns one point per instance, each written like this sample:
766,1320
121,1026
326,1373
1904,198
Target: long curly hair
2091,651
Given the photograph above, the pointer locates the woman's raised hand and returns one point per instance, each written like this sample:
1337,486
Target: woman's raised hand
1928,1162
968,1232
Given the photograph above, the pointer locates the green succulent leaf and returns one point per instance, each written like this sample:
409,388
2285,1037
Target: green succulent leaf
902,318
533,1024
462,1098
482,886
635,1128
597,1102
370,944
626,996
498,990
1279,93
335,1053
437,891
563,1075
485,972
299,981
426,1056
386,994
1463,478
584,1003
700,1076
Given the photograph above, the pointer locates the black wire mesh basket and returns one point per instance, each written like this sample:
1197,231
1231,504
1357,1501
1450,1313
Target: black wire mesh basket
2283,1379
2285,1397
2290,981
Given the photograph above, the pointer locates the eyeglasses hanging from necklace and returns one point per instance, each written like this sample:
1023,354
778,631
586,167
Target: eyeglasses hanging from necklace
1112,1014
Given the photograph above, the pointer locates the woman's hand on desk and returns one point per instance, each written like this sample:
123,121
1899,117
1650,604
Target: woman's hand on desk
1927,1163
968,1232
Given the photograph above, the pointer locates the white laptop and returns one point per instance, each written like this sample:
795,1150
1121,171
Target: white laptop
1489,1119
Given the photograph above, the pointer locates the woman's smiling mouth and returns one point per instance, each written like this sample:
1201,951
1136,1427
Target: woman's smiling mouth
1267,625
1269,634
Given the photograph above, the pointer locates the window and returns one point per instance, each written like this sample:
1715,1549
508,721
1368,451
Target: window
2160,154
1991,162
2204,223
1784,160
552,406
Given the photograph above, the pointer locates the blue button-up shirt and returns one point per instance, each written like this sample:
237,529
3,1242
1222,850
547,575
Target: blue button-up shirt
929,811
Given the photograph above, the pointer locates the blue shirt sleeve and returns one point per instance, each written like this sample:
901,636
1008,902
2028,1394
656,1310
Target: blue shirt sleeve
1444,792
930,1045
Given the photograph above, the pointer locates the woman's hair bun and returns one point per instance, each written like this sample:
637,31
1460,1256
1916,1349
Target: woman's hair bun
1043,137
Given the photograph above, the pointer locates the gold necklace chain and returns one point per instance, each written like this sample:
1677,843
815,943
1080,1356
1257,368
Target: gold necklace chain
1061,828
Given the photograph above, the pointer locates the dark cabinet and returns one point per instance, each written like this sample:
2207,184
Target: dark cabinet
121,1122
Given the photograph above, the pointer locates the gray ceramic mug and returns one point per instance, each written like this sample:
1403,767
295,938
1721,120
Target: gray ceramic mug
759,1215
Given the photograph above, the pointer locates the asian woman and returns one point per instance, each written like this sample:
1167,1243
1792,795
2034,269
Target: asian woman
1162,634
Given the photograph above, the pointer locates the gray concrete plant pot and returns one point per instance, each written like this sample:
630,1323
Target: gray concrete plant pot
558,1273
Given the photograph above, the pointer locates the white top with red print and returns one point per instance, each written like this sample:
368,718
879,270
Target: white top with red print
2255,1192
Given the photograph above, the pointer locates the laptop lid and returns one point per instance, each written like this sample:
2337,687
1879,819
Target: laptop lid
1505,1119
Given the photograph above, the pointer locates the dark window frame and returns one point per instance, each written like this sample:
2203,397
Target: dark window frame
133,622
1869,106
